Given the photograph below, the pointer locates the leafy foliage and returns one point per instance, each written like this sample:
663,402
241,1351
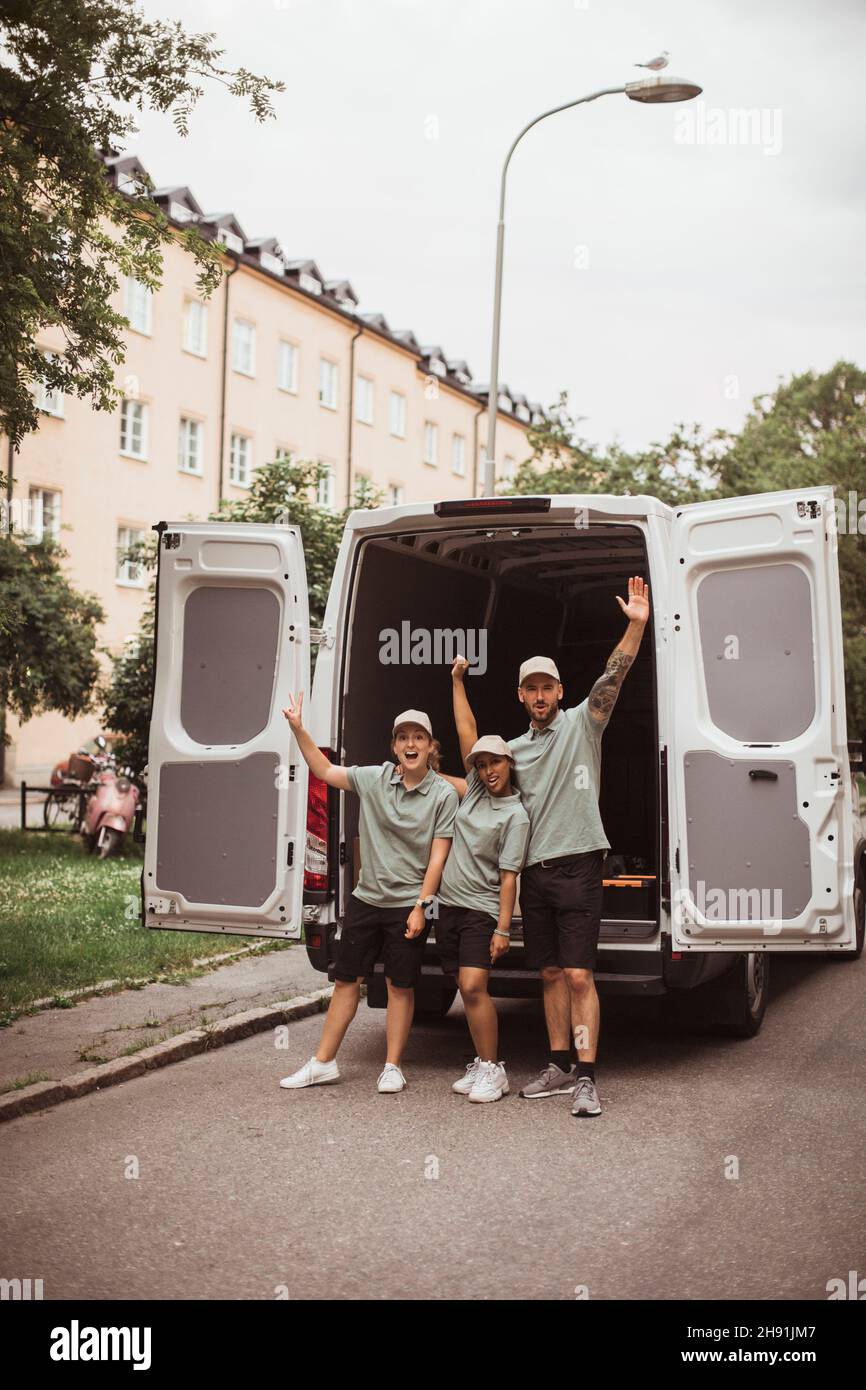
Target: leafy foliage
72,76
48,645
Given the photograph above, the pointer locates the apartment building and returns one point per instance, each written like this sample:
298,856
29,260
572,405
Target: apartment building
279,360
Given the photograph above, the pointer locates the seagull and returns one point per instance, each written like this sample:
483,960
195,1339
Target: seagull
656,64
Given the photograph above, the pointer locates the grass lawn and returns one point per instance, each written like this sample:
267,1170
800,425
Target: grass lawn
68,921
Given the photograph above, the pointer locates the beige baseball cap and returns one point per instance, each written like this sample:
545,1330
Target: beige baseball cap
537,666
413,716
490,743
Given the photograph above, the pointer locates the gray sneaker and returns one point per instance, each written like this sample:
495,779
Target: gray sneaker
551,1081
586,1100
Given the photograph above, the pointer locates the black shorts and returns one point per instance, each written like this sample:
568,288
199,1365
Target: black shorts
463,937
370,932
561,910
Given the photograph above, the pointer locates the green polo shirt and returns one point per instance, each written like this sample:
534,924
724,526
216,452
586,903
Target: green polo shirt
397,828
559,775
490,833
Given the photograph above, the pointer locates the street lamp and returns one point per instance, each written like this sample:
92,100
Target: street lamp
653,90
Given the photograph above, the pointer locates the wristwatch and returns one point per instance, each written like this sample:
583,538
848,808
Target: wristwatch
422,902
506,934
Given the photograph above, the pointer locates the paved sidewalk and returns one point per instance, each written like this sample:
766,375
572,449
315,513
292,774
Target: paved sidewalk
56,1043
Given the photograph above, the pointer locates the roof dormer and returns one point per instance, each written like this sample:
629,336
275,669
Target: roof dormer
178,204
268,252
225,227
127,174
342,292
377,321
460,370
407,338
306,275
435,359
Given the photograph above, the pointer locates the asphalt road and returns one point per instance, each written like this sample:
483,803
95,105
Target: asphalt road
244,1189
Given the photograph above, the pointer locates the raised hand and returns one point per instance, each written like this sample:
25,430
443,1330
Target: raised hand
459,669
293,710
637,609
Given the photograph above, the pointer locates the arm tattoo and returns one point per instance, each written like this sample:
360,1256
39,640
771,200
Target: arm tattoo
602,697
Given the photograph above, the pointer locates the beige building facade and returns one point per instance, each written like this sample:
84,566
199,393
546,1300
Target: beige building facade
278,360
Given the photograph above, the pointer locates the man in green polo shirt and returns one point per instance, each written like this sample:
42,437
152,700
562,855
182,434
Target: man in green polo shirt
558,771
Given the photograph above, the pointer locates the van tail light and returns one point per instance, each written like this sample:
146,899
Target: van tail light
316,853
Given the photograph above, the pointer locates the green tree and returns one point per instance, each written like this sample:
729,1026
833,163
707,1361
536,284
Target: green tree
72,76
280,492
48,645
561,460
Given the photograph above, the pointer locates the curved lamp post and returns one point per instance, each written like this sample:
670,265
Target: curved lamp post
654,90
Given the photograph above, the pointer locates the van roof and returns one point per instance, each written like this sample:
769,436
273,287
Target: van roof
451,513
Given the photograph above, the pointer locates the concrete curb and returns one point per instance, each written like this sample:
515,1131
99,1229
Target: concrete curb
43,1094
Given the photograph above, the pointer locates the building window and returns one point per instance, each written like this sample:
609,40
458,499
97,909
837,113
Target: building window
509,468
458,455
50,402
195,328
309,283
133,429
139,305
283,454
396,494
325,488
287,368
240,460
397,415
129,572
44,516
328,383
364,400
244,347
190,446
431,443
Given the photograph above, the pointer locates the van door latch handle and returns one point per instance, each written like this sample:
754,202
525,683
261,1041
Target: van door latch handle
322,636
763,774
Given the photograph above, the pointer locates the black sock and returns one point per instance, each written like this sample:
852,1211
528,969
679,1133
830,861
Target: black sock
586,1069
562,1060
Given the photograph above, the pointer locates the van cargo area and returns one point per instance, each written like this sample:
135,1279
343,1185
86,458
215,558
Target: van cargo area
547,589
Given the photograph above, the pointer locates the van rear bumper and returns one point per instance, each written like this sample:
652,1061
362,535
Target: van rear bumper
625,973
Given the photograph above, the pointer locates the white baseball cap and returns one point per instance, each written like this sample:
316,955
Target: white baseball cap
537,666
490,743
413,716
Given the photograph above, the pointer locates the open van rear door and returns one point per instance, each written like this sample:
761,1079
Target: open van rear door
227,788
763,841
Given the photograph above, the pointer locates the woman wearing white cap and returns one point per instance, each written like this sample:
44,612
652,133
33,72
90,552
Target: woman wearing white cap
478,889
406,825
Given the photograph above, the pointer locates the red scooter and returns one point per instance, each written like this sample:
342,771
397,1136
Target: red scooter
111,805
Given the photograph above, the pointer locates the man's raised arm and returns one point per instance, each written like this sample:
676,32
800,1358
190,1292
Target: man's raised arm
604,693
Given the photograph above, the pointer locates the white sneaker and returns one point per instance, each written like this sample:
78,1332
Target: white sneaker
392,1079
312,1073
491,1083
467,1081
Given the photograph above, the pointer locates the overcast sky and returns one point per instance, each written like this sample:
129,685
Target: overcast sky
658,271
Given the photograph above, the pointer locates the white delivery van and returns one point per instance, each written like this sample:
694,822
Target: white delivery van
727,795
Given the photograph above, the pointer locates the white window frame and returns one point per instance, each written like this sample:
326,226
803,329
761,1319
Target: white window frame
458,455
194,312
397,407
326,487
189,427
138,306
50,402
364,399
127,429
431,443
328,383
244,347
396,494
237,455
36,502
128,574
290,352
